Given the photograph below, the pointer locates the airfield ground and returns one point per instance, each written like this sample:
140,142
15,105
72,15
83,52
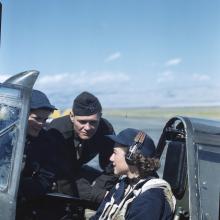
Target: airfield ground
156,112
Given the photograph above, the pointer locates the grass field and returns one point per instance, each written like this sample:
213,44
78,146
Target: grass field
168,112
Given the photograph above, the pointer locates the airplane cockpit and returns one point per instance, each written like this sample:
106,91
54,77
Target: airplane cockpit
190,148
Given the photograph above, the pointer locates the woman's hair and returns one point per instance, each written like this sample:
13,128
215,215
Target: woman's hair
146,165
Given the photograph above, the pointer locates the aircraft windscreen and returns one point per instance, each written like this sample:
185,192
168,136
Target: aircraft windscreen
209,180
8,136
11,92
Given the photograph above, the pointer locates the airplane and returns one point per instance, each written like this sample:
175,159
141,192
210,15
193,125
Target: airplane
189,146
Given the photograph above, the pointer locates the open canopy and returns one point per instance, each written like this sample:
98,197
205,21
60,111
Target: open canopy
14,107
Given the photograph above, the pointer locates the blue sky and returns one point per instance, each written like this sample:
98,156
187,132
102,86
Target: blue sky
130,53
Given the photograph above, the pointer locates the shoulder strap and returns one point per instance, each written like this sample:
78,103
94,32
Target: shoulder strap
162,184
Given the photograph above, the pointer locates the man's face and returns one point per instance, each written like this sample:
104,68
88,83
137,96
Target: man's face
36,121
85,126
118,160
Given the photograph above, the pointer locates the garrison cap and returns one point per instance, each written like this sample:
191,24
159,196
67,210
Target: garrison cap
86,104
40,100
126,138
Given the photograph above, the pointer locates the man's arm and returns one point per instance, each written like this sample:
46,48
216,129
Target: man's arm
37,185
39,172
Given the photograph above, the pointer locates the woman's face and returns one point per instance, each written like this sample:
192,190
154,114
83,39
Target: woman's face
118,159
36,121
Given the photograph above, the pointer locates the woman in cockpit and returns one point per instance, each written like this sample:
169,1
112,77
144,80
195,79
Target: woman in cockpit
140,194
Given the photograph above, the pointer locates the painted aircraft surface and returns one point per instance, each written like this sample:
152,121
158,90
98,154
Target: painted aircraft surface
190,146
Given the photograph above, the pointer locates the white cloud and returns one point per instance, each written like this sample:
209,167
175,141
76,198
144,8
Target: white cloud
173,62
118,89
200,77
63,87
112,57
165,77
3,77
83,78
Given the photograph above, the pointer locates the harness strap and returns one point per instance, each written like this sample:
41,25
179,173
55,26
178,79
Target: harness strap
114,210
160,183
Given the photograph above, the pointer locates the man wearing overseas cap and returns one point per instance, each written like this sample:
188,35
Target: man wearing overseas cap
84,131
139,194
38,174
